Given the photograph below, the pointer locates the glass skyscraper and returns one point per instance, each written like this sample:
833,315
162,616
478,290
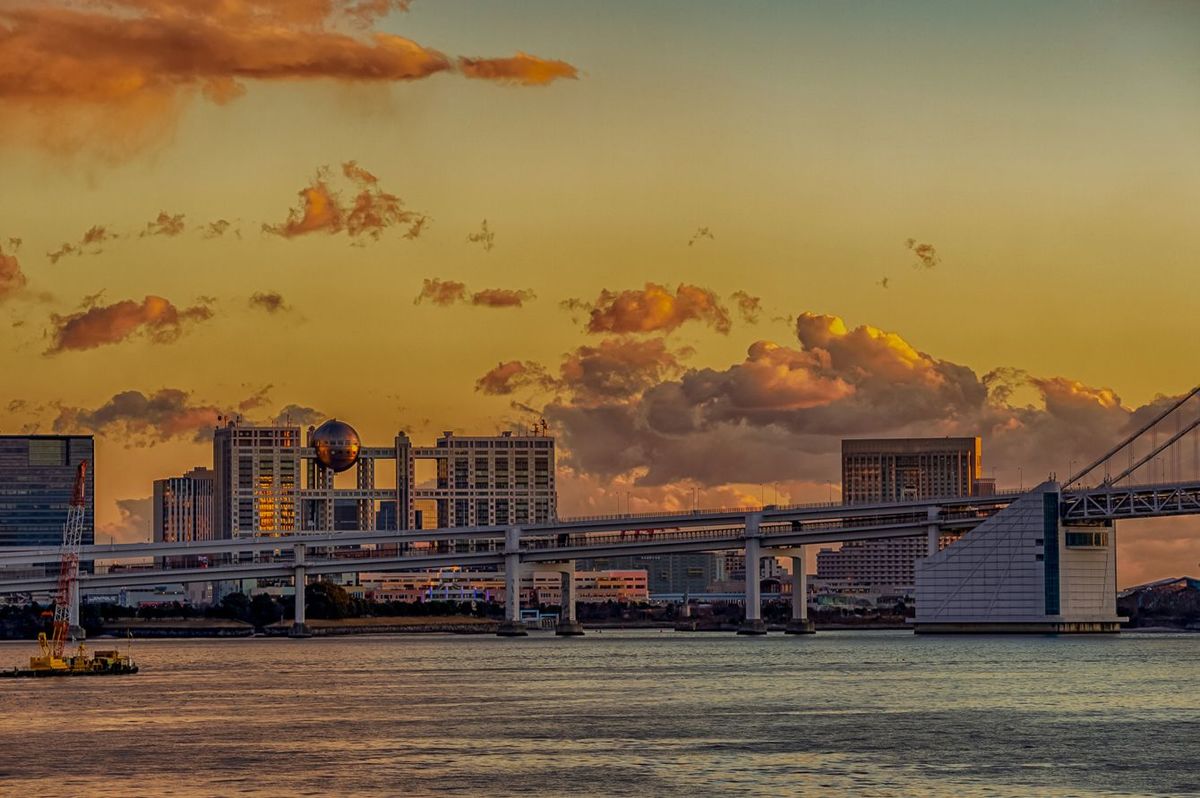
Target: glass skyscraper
37,477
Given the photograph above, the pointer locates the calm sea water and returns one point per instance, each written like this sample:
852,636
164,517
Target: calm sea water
617,713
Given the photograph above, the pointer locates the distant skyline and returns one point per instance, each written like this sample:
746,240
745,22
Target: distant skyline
704,241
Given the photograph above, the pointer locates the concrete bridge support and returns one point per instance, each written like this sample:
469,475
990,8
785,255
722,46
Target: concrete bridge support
512,626
568,624
800,624
299,582
933,531
753,625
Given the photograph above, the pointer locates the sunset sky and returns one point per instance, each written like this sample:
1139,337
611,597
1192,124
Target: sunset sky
719,237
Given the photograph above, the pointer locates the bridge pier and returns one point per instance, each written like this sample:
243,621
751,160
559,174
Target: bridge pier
933,532
512,626
299,582
753,625
568,625
800,624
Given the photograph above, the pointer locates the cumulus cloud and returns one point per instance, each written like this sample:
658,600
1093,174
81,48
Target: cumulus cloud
782,412
115,75
927,255
655,309
134,522
522,69
139,418
270,301
619,367
506,378
89,243
12,279
749,306
371,211
164,225
450,292
299,415
484,237
154,318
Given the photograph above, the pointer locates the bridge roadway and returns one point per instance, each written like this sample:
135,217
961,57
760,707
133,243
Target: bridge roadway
629,523
778,530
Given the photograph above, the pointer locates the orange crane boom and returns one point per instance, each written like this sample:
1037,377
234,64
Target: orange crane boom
68,572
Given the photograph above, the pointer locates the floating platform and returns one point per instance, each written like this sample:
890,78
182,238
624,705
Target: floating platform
38,673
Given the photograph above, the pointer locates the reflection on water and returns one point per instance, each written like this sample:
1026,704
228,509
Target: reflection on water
617,713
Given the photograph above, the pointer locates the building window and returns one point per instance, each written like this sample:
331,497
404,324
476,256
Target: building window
1087,540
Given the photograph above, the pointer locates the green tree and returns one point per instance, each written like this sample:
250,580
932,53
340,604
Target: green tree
326,600
235,606
264,610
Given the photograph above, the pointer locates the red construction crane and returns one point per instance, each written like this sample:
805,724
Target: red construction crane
68,573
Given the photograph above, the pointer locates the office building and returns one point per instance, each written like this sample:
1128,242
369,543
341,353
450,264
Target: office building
37,480
898,470
184,507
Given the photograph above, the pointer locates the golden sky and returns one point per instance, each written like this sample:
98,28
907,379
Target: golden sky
705,240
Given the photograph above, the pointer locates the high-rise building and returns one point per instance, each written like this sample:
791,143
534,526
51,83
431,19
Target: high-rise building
256,479
470,481
898,470
909,469
184,507
37,481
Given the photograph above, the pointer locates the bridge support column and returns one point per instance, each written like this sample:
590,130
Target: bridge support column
568,625
753,625
299,582
800,623
512,625
933,531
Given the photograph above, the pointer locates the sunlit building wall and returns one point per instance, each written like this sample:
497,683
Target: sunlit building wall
185,508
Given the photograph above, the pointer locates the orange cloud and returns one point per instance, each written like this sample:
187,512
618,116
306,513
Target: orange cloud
501,297
522,69
217,229
655,309
749,306
115,75
441,292
485,237
12,279
450,292
508,377
97,325
927,254
372,210
94,236
270,301
165,225
619,367
137,417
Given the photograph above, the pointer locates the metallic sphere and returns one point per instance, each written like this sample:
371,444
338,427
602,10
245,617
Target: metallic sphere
336,445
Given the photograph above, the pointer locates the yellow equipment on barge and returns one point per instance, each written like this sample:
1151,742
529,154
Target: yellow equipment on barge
108,662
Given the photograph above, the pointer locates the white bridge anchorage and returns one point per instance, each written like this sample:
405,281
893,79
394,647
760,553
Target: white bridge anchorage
1038,560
